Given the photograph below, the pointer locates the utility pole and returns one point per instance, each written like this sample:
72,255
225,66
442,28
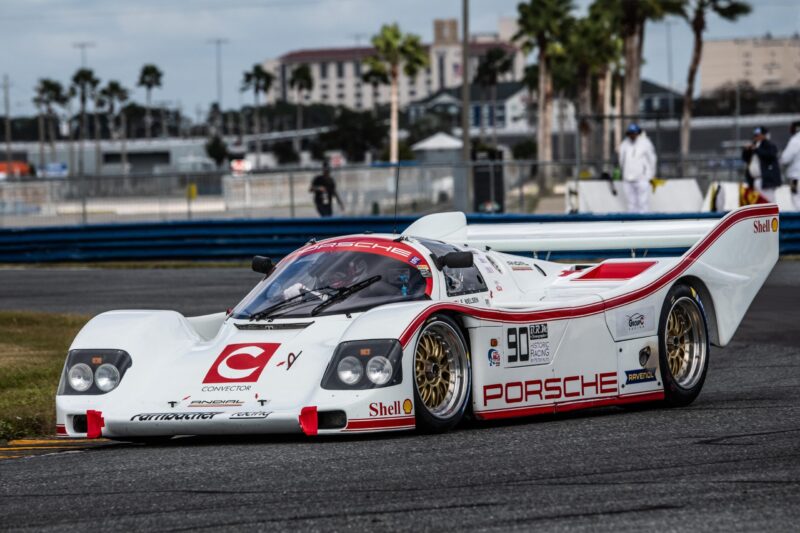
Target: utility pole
7,105
466,154
669,70
218,42
82,46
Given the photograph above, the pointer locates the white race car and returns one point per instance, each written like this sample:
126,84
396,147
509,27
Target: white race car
393,332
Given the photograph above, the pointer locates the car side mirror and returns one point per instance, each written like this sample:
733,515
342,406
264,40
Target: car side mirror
263,265
455,260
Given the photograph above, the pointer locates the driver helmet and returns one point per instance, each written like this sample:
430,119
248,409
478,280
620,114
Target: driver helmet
345,274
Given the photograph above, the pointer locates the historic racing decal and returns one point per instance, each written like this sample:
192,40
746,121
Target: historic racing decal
241,363
528,345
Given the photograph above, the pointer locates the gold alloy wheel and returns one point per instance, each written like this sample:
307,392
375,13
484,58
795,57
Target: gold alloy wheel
440,365
685,338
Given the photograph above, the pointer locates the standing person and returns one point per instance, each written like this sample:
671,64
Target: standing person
637,160
790,158
763,174
324,190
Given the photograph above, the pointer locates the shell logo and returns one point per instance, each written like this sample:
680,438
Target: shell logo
775,225
407,406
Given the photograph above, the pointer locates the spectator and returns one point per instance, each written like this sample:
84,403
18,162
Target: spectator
324,190
637,159
790,158
762,171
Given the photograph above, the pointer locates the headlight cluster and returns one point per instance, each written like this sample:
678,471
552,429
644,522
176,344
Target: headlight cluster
364,365
93,371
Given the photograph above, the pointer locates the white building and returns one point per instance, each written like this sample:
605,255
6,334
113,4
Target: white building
337,72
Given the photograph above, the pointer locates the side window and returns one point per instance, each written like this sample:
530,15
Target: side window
463,281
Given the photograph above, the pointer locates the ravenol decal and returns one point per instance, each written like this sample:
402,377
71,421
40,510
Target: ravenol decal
642,375
241,363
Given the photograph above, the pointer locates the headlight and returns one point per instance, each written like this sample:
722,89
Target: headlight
93,372
379,370
350,370
107,377
80,377
378,359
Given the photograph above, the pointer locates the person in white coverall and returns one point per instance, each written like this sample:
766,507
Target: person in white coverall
790,158
637,160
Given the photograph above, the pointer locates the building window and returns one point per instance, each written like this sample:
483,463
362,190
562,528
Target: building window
340,69
323,70
340,85
340,96
357,69
441,71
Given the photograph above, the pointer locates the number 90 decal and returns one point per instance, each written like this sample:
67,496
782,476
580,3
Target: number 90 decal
528,345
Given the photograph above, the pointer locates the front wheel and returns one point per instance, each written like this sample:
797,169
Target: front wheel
684,347
442,375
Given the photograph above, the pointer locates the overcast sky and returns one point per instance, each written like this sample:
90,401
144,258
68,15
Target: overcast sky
38,35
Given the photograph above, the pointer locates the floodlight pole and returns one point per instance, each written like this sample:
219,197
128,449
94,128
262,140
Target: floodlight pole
466,153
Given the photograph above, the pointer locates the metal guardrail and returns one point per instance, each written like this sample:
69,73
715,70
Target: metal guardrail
243,238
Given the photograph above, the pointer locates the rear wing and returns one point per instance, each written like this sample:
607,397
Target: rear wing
562,236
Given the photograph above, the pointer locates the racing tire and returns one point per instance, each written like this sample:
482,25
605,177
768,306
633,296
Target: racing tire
442,375
683,345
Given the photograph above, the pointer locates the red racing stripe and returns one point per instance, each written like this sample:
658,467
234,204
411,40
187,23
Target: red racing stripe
562,313
513,412
362,424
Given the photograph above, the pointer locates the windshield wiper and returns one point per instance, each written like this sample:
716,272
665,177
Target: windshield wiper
345,292
264,313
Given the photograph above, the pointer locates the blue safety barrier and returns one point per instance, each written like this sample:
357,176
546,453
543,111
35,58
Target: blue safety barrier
243,238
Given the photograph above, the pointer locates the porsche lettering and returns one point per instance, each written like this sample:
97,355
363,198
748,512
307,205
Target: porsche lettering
550,389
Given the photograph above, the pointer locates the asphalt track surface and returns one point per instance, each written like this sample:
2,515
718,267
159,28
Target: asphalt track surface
729,462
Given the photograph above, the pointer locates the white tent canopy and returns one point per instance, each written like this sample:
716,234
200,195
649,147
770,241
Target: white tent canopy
438,141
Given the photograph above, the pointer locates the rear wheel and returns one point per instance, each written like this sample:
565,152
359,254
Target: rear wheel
441,375
684,347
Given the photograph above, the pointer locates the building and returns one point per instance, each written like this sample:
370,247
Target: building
767,63
657,99
337,72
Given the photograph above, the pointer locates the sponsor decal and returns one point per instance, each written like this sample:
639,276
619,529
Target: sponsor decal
519,265
170,417
250,415
494,357
240,363
424,271
225,388
550,389
215,403
470,301
765,225
290,359
415,260
407,406
528,345
498,287
386,247
635,321
642,375
388,409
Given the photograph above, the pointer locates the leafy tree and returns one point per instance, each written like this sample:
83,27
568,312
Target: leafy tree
695,13
543,26
259,81
149,78
217,150
355,133
84,84
48,94
302,82
395,50
285,153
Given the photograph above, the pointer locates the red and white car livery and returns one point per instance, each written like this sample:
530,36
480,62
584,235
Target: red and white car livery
393,332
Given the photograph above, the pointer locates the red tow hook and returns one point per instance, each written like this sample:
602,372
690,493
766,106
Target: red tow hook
94,424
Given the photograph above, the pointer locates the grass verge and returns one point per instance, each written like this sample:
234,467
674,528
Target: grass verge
33,347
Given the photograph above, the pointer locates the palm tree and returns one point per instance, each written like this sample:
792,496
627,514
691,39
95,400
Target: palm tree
695,13
393,50
375,78
303,83
49,93
114,93
543,26
83,84
149,78
493,66
259,81
99,102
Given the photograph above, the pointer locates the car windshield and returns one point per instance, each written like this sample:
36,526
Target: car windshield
386,272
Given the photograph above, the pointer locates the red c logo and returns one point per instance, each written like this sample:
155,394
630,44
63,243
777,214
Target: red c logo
241,363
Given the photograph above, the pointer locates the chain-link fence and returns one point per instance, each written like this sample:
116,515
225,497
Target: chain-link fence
507,186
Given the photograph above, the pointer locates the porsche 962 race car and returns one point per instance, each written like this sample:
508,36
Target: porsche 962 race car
396,332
